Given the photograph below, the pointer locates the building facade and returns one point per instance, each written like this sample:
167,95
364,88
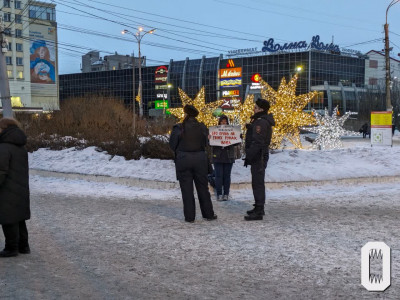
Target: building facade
31,31
375,69
93,62
339,79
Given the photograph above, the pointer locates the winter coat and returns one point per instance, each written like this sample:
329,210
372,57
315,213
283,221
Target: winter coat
258,137
224,155
189,136
14,176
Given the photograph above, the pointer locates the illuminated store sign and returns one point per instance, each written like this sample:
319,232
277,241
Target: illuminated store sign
231,73
230,103
255,85
256,77
231,93
271,46
161,74
230,64
235,82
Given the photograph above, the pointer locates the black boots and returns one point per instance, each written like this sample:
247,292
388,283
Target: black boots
8,253
214,217
249,212
255,214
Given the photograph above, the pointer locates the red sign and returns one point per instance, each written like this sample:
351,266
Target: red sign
161,74
256,78
231,93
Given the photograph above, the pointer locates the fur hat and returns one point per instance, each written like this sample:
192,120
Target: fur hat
262,103
190,110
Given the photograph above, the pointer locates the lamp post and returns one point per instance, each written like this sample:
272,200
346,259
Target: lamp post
165,98
139,35
387,57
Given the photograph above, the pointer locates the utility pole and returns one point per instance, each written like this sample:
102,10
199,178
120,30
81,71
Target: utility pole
4,84
387,61
387,58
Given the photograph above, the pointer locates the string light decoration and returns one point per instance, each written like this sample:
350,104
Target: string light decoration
329,130
205,109
287,109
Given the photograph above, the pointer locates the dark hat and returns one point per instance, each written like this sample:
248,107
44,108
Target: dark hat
262,103
190,110
222,117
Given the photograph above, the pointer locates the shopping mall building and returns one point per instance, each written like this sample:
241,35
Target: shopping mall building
339,76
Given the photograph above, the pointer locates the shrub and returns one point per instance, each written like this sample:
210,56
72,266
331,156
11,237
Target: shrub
156,148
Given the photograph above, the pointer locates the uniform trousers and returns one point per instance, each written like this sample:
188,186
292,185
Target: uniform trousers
193,167
258,182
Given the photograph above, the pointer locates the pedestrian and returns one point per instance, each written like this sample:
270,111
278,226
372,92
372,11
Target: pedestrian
188,140
364,130
258,139
14,188
223,159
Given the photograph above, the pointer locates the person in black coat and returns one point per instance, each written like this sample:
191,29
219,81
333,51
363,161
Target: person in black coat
188,140
14,188
223,159
258,139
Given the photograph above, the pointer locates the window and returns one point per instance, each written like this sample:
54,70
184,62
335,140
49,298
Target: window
7,31
48,16
7,17
9,47
18,33
20,75
20,61
9,60
373,81
18,47
9,73
18,19
32,14
6,3
373,64
18,4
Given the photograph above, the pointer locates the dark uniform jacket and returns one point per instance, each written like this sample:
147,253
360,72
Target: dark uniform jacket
258,137
189,136
14,176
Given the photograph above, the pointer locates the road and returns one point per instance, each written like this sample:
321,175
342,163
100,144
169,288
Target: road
307,247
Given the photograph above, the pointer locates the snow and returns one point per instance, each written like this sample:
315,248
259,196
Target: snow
356,159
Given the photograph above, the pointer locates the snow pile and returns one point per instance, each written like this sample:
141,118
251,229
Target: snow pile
356,159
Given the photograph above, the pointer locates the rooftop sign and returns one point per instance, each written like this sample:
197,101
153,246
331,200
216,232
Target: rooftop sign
271,46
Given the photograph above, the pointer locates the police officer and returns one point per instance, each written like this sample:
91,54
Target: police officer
188,140
258,138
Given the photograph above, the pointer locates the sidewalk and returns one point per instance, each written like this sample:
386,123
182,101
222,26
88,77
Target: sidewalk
157,184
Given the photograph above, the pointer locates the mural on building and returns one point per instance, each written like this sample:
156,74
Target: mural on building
42,61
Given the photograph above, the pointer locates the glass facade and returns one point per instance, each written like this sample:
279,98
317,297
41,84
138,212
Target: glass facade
316,71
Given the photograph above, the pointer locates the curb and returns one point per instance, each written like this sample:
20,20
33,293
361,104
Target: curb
156,184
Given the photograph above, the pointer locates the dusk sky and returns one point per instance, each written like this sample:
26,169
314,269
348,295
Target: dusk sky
213,27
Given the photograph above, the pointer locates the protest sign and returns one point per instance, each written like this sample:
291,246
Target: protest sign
224,135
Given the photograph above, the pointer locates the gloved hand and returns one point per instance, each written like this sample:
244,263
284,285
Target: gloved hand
246,162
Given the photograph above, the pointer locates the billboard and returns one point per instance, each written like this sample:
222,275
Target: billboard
42,55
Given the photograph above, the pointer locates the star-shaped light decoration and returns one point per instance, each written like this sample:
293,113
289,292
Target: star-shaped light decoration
329,130
287,109
205,109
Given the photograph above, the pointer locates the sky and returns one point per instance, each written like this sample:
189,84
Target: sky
213,27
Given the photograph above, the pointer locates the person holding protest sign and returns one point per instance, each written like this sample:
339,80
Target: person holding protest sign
223,159
188,140
258,138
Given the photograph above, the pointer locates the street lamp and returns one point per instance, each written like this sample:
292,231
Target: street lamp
139,35
387,57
